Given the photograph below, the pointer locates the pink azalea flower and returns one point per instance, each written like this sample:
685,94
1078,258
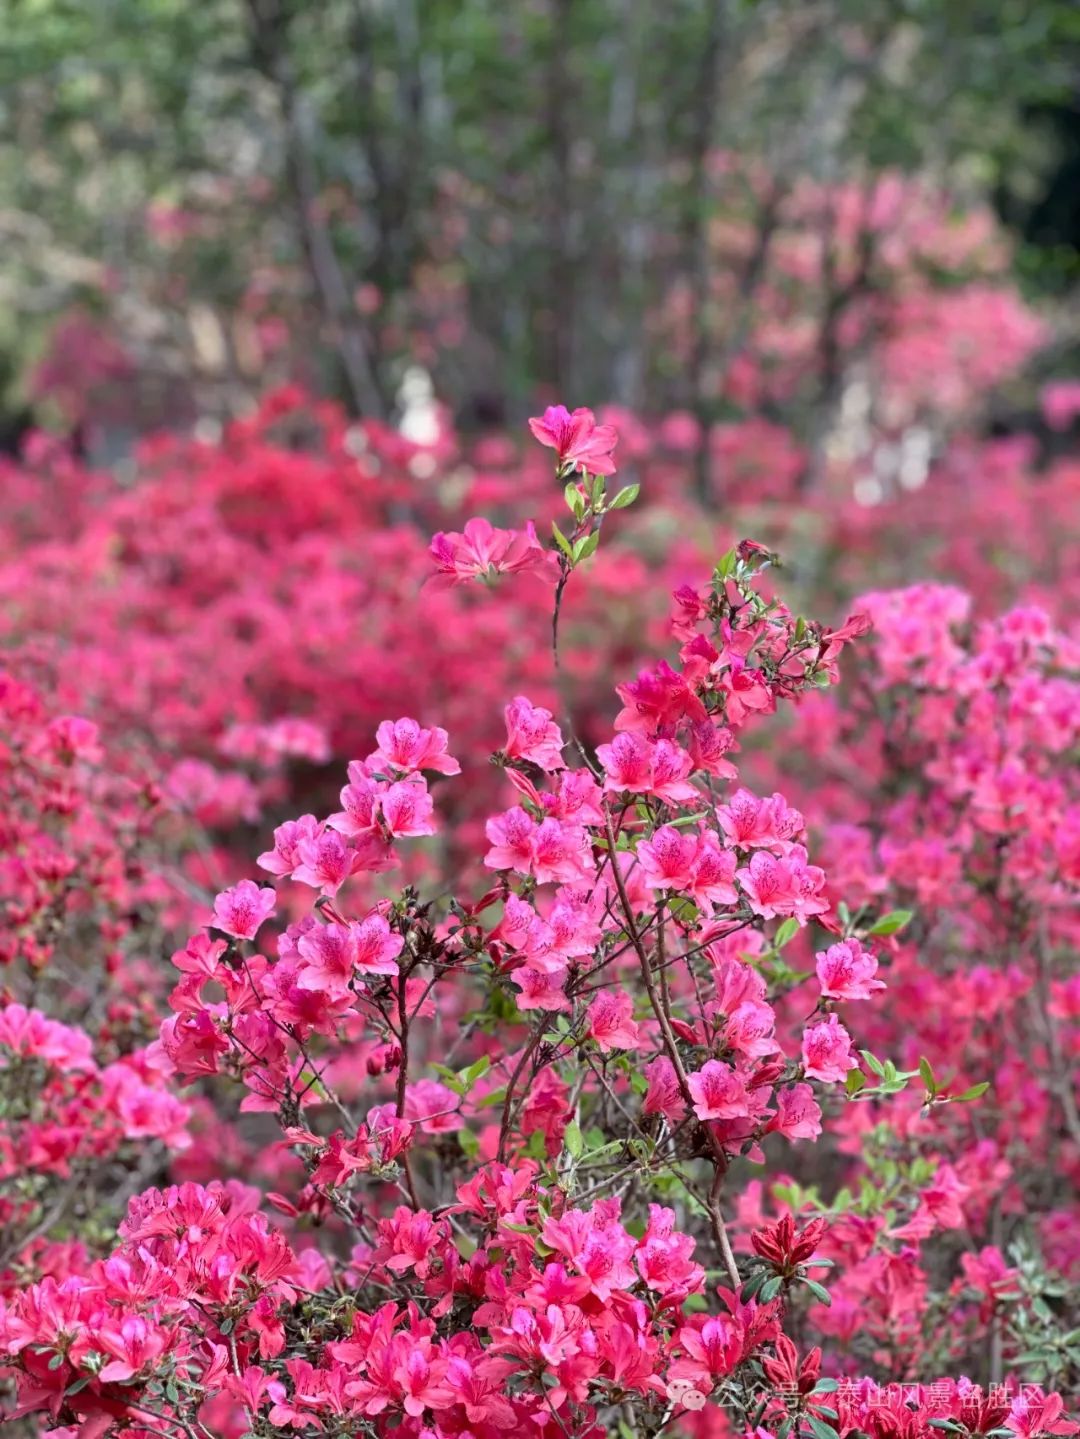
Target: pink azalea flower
532,735
610,1021
326,862
826,1051
667,860
746,693
663,1095
482,552
434,1107
560,853
749,1029
719,1092
753,823
713,878
511,837
637,765
285,855
241,910
709,743
627,763
798,1115
376,946
407,809
334,953
578,441
787,886
541,988
847,971
403,745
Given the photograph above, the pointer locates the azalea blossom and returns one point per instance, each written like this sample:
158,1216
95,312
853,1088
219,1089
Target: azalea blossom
241,910
481,552
826,1049
578,441
847,971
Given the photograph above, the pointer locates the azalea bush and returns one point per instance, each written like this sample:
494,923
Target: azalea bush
695,1065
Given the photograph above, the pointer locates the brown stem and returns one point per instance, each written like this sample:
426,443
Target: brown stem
660,1011
508,1106
403,1080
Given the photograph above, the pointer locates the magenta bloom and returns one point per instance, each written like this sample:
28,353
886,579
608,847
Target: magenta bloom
532,734
637,765
241,910
611,1022
577,439
847,971
719,1092
404,745
334,953
827,1053
407,809
481,552
798,1115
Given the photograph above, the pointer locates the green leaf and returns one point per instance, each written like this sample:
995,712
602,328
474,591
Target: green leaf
893,922
574,1140
927,1073
586,546
562,542
475,1071
625,497
855,1081
575,500
820,1293
771,1288
975,1092
726,564
605,1149
754,1283
786,933
820,1429
874,1065
450,1078
684,910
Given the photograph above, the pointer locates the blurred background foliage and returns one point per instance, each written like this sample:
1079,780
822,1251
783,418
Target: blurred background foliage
198,199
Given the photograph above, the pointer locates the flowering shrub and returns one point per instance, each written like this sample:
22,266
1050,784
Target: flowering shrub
583,1125
86,1109
967,812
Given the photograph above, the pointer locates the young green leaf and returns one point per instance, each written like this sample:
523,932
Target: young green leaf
892,923
975,1092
